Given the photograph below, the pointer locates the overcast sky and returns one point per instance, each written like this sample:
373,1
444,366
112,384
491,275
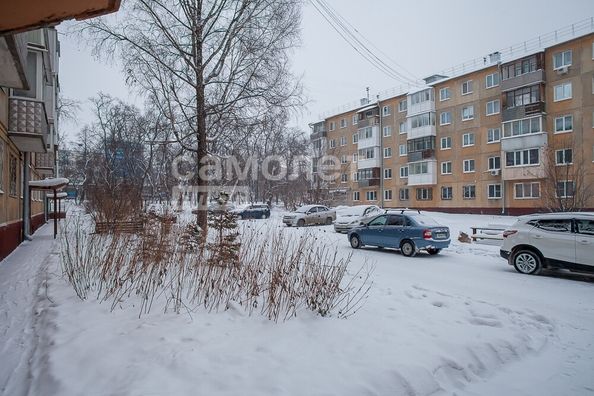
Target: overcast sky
422,36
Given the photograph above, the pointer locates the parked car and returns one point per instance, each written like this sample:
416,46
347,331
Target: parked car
260,211
216,208
353,216
407,230
310,214
550,240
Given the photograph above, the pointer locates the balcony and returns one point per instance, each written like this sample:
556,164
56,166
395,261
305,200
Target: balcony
368,183
524,172
27,125
523,142
368,163
318,135
417,156
369,142
519,112
427,130
523,80
420,179
45,163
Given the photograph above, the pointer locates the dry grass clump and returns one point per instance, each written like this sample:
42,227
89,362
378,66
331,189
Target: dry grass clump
273,271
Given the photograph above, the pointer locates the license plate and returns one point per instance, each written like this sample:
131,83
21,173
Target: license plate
441,235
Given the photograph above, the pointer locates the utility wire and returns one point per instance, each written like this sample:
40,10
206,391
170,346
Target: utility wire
339,24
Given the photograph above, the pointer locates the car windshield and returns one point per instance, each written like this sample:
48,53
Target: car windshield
424,220
303,209
353,211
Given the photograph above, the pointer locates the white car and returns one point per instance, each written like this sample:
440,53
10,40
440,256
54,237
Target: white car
353,216
550,240
310,214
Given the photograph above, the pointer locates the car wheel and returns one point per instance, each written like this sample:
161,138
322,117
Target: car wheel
527,262
433,251
300,223
329,221
408,248
355,242
263,216
240,217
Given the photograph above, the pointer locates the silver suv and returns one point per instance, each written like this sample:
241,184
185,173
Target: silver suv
550,240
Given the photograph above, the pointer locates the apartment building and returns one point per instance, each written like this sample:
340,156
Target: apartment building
513,135
29,88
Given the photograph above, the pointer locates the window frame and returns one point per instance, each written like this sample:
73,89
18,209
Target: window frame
443,91
444,168
470,111
386,110
371,195
564,121
387,197
332,126
471,168
493,84
404,169
494,191
493,103
343,141
493,140
356,196
524,185
449,190
343,123
387,152
403,194
445,114
447,139
387,129
402,152
387,173
563,86
467,138
469,191
563,60
332,143
563,152
468,89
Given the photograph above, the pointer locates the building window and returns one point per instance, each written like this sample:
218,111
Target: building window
355,120
564,124
371,195
387,152
343,178
493,107
355,138
403,172
369,153
522,157
366,133
12,176
343,123
424,194
332,179
403,194
343,141
388,173
418,168
402,149
494,163
493,135
355,176
564,157
356,157
469,192
467,113
402,106
446,193
522,66
445,118
561,59
522,96
527,190
356,196
492,80
343,159
564,189
467,87
522,127
332,125
422,120
386,111
562,92
387,195
403,127
444,94
332,143
422,96
446,168
387,131
468,166
494,191
446,143
468,139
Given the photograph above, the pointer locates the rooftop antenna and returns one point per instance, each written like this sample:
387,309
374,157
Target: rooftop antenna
367,94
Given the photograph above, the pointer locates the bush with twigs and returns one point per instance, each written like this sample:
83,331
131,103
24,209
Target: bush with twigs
273,272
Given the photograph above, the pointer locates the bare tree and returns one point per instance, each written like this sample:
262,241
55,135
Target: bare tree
214,66
568,187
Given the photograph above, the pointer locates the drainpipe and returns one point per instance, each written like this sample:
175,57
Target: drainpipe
26,199
381,153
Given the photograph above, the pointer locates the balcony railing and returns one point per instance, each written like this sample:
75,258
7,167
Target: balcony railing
519,112
318,135
368,183
45,163
27,125
523,80
421,155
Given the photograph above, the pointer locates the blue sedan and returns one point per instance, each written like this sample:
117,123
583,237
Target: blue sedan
254,212
409,231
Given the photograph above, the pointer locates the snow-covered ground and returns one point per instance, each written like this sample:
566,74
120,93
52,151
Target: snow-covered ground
459,323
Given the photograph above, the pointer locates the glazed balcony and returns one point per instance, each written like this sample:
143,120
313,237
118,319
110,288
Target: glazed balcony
523,80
